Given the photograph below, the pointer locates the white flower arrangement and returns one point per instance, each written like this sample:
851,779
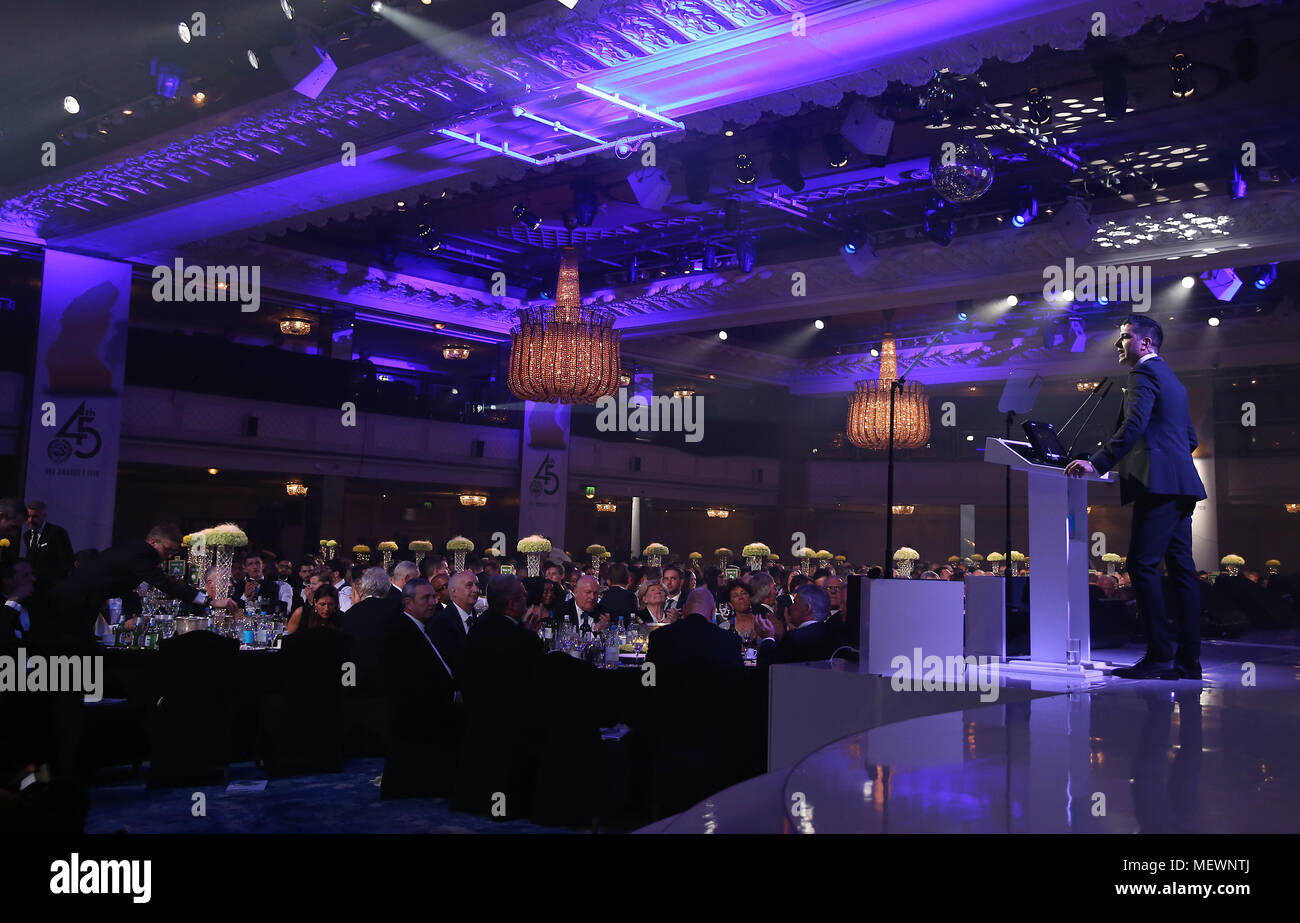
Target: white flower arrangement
227,534
953,559
906,554
656,548
723,553
533,544
420,545
841,559
1234,559
1272,562
323,542
755,550
361,549
806,553
187,540
695,556
492,552
997,556
599,550
1110,557
824,555
332,543
977,557
388,546
1017,556
461,543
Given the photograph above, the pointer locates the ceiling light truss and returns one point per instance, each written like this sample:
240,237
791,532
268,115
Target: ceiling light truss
630,142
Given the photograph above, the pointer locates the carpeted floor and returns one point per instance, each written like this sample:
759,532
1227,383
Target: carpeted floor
346,802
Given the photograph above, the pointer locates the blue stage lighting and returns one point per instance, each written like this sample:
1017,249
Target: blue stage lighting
1265,276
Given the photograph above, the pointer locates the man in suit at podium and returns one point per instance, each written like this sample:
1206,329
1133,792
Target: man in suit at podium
1152,450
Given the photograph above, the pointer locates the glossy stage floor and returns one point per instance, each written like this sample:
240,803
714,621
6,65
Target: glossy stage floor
1220,755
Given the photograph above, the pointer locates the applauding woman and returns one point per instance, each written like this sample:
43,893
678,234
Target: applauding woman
652,597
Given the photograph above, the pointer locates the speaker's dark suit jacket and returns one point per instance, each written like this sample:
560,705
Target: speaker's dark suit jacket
51,558
1154,437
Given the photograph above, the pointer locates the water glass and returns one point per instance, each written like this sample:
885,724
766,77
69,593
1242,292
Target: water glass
1073,650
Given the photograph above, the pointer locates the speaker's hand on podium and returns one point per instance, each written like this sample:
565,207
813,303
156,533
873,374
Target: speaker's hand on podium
1079,468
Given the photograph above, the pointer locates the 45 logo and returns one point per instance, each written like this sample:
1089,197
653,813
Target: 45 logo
76,437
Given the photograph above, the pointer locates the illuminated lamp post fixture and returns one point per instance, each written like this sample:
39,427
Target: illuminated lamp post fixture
564,353
718,513
468,499
455,352
295,488
295,327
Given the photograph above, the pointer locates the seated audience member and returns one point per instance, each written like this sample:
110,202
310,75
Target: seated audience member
618,600
696,706
341,567
584,610
324,612
284,570
497,678
762,588
651,597
929,575
317,578
451,624
1108,585
434,565
426,723
402,572
441,584
673,586
368,622
875,572
808,636
742,611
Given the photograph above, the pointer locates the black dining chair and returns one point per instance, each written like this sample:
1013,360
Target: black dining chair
569,778
306,721
190,728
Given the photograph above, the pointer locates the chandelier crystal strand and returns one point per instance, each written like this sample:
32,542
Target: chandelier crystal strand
868,421
564,353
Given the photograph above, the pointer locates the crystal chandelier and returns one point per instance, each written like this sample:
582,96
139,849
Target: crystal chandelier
868,423
904,510
606,506
455,352
718,513
473,500
295,327
295,488
564,353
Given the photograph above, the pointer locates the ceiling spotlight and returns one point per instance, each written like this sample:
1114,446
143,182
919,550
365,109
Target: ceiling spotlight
198,97
1183,84
183,30
963,316
1103,300
747,251
1188,282
1067,295
1025,208
722,334
1012,301
70,105
1213,322
1039,105
875,353
253,62
428,236
1265,276
745,173
526,217
819,324
1224,283
376,6
214,471
837,152
286,8
939,225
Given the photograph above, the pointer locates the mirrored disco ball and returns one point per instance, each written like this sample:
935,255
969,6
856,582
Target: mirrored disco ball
961,171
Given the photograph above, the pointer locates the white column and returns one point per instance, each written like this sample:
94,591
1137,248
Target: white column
966,541
1205,520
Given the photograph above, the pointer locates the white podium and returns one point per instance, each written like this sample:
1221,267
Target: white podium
1058,554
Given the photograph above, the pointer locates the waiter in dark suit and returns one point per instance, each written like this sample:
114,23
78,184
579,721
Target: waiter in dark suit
46,546
1152,450
116,571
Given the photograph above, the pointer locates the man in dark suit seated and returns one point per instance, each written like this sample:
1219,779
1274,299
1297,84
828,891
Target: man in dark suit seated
808,635
1152,450
618,600
426,718
369,622
584,610
498,666
451,623
694,706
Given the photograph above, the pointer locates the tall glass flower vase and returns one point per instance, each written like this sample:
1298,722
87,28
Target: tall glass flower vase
654,560
419,556
223,556
754,562
458,561
1232,569
805,566
904,567
388,560
329,552
363,557
1110,568
723,561
533,560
